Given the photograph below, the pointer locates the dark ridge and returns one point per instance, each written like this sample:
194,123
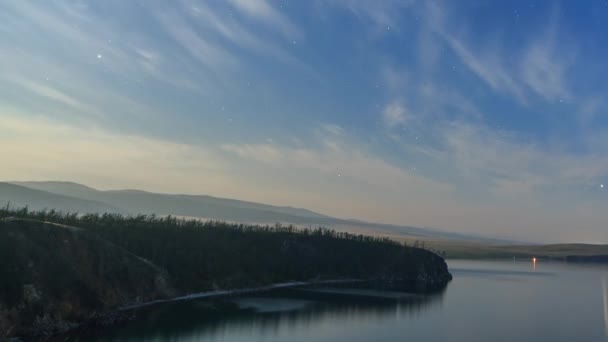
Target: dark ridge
114,261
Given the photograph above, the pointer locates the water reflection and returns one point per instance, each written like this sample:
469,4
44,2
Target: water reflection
497,301
502,274
265,315
605,297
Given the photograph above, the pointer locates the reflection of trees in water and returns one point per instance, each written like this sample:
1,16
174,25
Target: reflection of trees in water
198,319
341,308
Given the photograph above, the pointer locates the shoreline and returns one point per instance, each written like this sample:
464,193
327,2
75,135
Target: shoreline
221,293
122,314
125,313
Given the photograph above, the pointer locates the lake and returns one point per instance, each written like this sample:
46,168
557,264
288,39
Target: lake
486,301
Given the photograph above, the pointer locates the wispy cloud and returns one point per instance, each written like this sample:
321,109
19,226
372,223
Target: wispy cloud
225,25
56,95
41,149
262,10
544,70
71,55
332,129
505,162
395,114
455,129
210,55
45,149
487,65
537,69
266,153
425,120
383,15
347,181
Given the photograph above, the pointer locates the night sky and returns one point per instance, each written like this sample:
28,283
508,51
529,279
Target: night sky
469,116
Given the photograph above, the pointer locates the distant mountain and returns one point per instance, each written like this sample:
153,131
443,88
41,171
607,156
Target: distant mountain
136,201
20,196
145,202
63,188
70,196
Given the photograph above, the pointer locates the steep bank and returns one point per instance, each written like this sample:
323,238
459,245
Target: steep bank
53,277
111,261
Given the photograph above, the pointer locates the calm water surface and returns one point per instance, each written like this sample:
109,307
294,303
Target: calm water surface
486,301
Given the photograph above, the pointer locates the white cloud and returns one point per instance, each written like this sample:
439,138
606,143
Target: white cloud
266,153
544,71
332,129
70,74
349,182
487,65
335,157
343,181
210,55
218,22
263,11
395,114
41,149
384,15
329,169
396,79
538,69
55,95
507,163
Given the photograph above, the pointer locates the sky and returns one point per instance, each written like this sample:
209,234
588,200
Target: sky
486,117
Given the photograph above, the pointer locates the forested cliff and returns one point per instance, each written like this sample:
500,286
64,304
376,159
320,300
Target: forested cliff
57,269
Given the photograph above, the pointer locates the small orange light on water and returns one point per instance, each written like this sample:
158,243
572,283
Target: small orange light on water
533,259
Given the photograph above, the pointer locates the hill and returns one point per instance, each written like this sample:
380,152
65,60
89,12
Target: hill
20,196
53,275
200,206
137,201
73,197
